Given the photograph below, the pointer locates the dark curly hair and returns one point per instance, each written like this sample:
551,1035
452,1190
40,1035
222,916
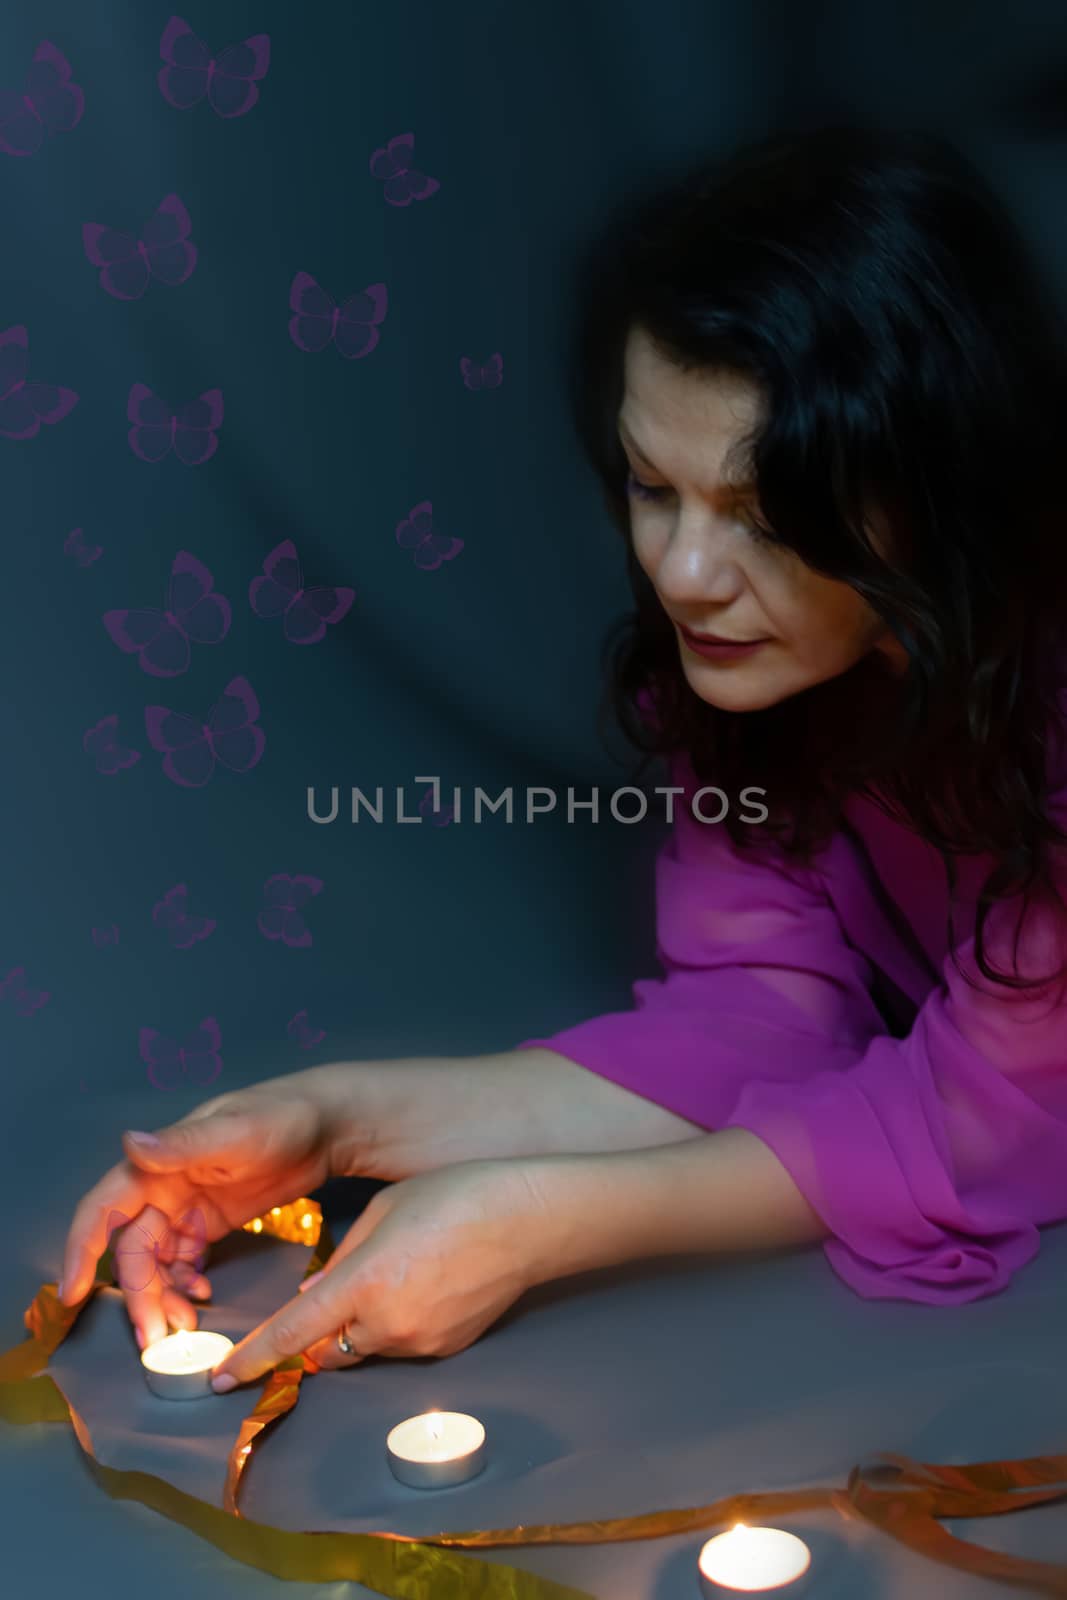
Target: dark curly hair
878,293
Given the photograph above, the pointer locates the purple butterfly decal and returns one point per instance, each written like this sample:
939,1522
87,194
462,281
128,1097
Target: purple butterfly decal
14,992
190,429
441,816
229,80
416,533
102,744
49,104
353,326
489,376
195,1060
172,915
128,262
161,639
82,554
403,182
191,749
108,934
280,592
302,1031
284,898
181,1249
24,406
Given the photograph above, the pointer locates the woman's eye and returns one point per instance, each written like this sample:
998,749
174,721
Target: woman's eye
645,491
651,491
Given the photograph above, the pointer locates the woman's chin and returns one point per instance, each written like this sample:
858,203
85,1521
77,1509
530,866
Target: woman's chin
731,691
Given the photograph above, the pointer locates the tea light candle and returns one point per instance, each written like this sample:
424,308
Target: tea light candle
436,1449
179,1367
751,1560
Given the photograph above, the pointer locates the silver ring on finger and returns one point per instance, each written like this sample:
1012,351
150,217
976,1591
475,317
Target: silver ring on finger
344,1343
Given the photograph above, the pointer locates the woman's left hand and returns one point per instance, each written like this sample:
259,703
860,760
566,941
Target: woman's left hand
427,1266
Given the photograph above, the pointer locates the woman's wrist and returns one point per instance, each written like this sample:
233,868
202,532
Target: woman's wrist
394,1118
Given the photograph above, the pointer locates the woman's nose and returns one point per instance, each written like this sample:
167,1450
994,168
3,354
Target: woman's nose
699,563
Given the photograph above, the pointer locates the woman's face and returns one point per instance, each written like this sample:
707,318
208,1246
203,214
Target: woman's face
697,539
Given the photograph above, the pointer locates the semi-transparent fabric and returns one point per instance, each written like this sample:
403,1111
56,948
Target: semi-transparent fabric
924,1121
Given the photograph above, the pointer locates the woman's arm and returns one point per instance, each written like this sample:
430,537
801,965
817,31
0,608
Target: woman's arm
718,1192
393,1119
933,1158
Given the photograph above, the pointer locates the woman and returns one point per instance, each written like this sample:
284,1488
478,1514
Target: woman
822,388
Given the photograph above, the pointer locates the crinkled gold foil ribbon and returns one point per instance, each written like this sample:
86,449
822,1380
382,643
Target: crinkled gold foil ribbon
412,1569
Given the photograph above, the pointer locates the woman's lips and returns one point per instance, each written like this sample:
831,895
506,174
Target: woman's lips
713,648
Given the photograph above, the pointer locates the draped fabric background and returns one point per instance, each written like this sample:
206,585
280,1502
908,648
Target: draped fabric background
172,250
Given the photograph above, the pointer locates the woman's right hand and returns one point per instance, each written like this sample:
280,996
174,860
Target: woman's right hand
237,1155
230,1159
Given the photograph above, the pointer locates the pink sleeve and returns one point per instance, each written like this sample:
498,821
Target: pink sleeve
933,1158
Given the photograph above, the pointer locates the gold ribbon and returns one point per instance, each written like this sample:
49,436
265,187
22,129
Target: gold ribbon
905,1508
300,1223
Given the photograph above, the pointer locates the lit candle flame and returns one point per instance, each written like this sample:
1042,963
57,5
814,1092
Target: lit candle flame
754,1558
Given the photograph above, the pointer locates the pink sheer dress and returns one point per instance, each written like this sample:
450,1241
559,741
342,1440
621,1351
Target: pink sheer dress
924,1121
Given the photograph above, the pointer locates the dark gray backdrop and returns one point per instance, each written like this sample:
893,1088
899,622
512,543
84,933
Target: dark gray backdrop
484,670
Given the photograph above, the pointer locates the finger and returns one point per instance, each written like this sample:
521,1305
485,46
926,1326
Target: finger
178,1310
145,1299
220,1147
327,1353
183,1250
188,1281
122,1189
300,1323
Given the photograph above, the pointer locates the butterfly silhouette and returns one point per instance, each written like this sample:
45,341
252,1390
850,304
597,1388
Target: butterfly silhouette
195,1060
107,934
284,898
191,749
280,592
229,80
48,104
403,182
416,533
82,554
128,262
353,326
14,992
138,1255
172,915
305,1035
489,376
24,406
190,429
102,744
161,639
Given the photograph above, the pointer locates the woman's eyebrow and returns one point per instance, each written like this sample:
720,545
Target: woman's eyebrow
632,442
746,486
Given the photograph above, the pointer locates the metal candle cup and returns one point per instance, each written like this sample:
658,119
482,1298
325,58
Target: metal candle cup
179,1367
436,1449
752,1561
